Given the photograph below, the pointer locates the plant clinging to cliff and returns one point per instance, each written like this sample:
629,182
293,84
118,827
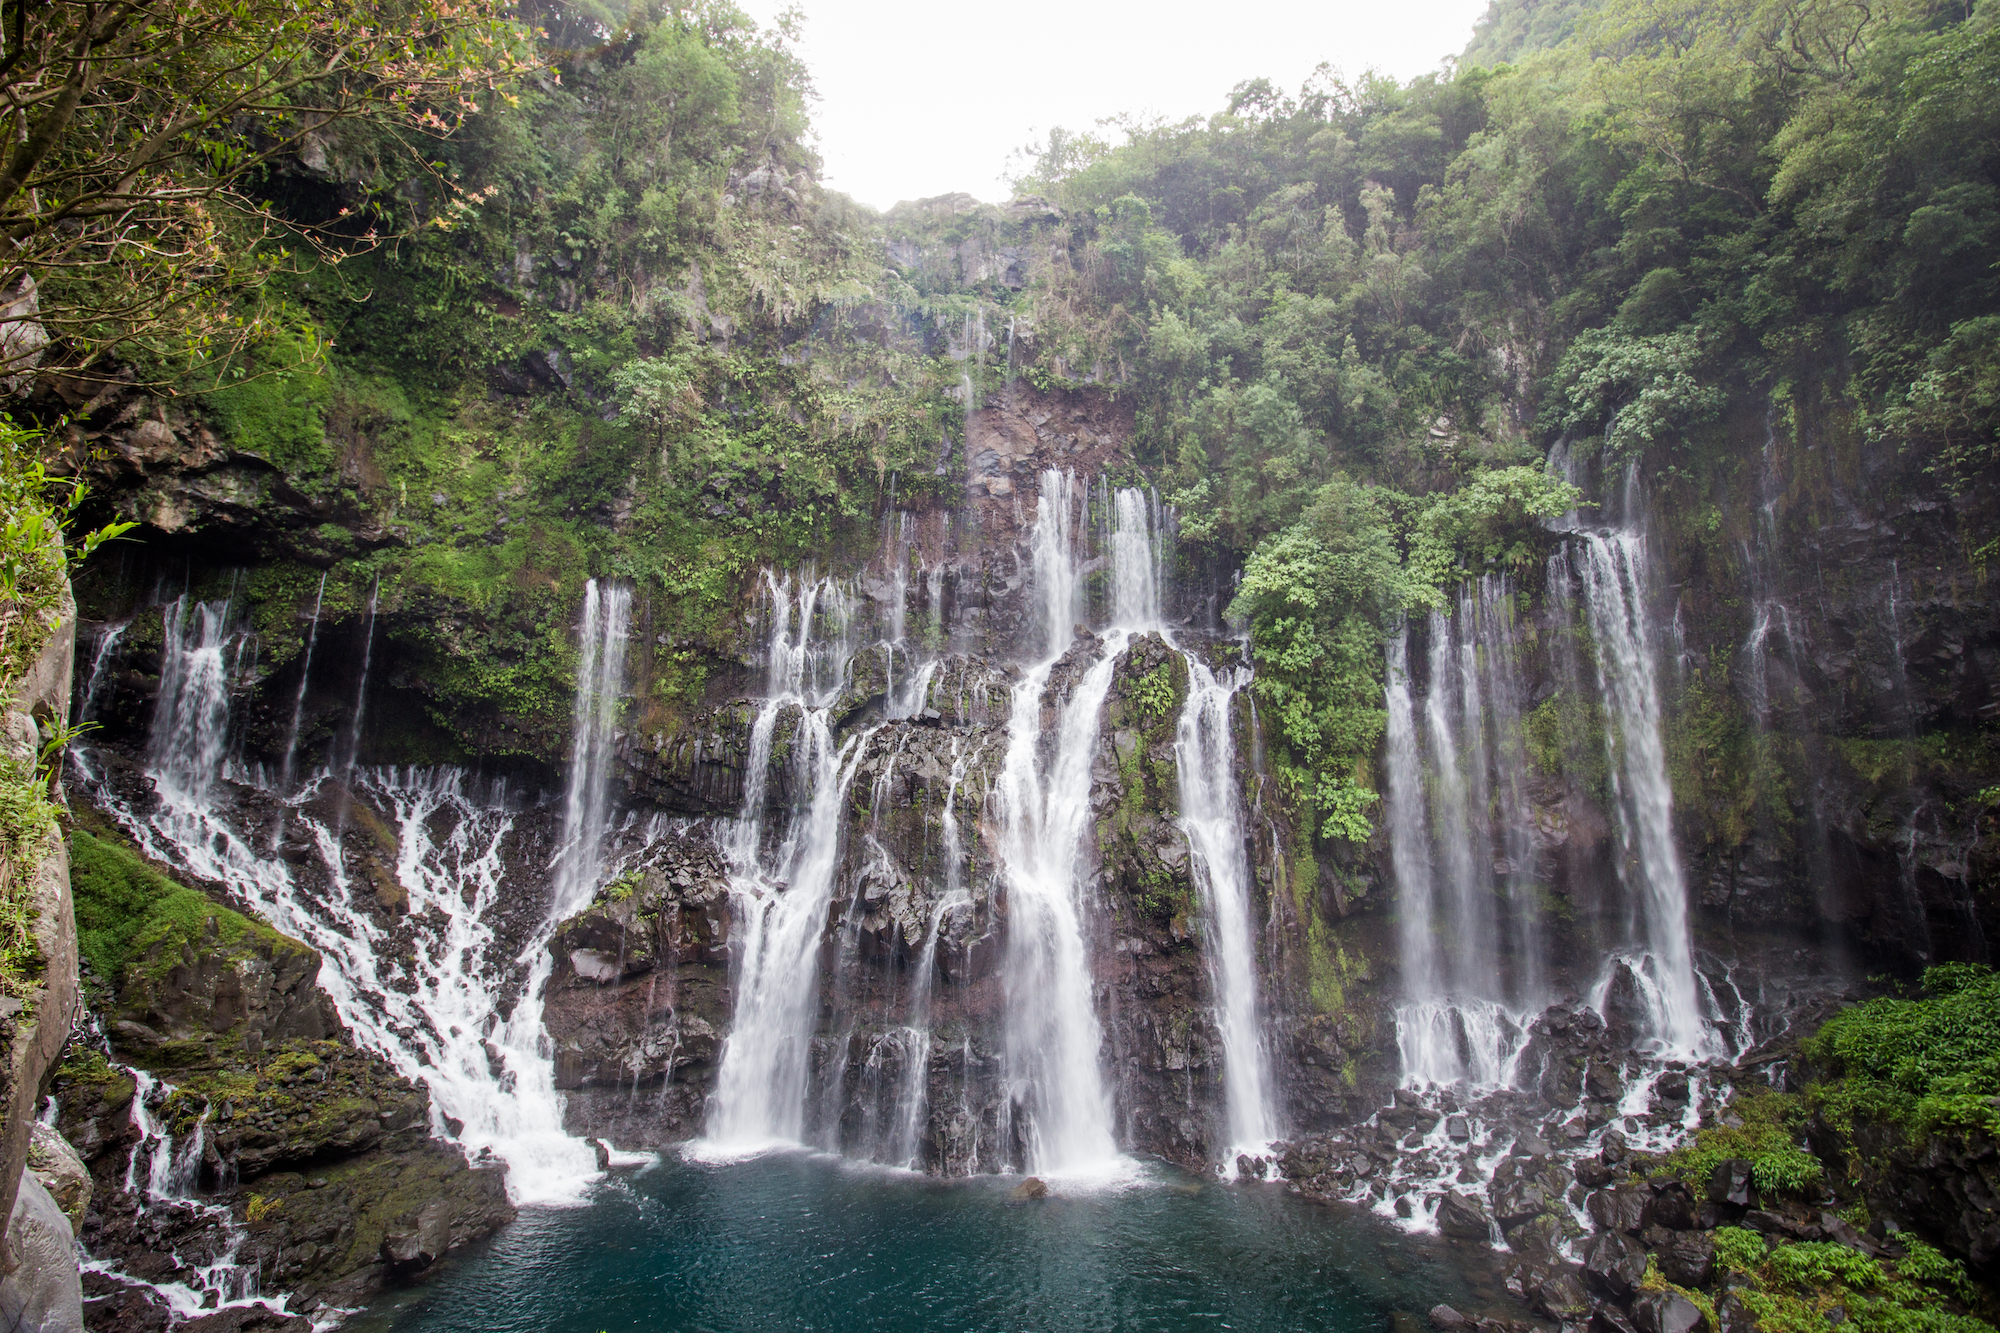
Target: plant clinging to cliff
143,137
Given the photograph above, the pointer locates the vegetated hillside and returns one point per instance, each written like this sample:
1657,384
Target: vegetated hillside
1511,29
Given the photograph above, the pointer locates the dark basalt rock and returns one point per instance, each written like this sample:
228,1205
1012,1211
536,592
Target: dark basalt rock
1672,1207
1687,1259
638,996
1620,1208
1730,1183
1560,1295
1667,1312
1462,1217
1613,1264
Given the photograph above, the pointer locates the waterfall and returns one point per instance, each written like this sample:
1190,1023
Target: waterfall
783,892
600,684
913,1096
214,1280
1612,564
1458,842
100,659
1136,575
361,691
1205,755
1061,1109
432,1011
520,1113
191,714
299,699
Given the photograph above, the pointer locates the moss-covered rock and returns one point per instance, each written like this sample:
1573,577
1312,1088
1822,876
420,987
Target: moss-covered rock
192,980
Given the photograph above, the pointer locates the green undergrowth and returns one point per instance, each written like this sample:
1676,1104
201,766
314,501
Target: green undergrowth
28,828
1768,1138
1921,1064
128,913
1799,1287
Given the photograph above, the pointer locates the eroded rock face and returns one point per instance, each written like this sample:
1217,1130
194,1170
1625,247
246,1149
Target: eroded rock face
249,985
639,997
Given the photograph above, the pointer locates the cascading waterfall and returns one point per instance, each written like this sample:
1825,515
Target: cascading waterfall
1458,845
191,718
1613,567
1205,755
162,1172
783,889
1060,1108
434,1017
361,691
100,659
299,699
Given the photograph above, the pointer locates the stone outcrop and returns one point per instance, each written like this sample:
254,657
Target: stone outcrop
316,1159
638,997
42,1289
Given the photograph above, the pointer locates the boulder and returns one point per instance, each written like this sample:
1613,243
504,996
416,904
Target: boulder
1517,1200
1610,1319
61,1172
44,1291
1611,1149
1560,1295
1733,1313
1666,1312
1673,1207
1463,1217
1539,1237
1731,1183
1443,1316
1619,1208
1613,1264
1687,1259
420,1239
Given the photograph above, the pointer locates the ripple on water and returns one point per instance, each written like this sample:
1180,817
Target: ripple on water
797,1241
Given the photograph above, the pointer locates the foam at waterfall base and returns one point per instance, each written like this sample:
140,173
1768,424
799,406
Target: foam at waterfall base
1508,1091
720,1152
1473,1042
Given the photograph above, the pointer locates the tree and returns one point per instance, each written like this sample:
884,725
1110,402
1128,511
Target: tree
144,138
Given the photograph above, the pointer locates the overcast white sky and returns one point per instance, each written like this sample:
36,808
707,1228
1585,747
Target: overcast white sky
918,98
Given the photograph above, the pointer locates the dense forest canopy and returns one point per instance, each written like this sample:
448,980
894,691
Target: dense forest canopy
1350,319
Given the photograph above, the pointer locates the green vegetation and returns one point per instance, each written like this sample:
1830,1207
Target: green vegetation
1791,1288
1349,316
128,913
1768,1138
1923,1064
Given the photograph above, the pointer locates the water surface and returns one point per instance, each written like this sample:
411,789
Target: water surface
796,1242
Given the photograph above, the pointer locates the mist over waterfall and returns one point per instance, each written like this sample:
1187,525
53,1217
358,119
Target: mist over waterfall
1474,948
1471,948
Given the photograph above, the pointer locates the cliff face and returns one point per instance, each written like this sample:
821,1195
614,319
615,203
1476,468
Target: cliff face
1825,656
